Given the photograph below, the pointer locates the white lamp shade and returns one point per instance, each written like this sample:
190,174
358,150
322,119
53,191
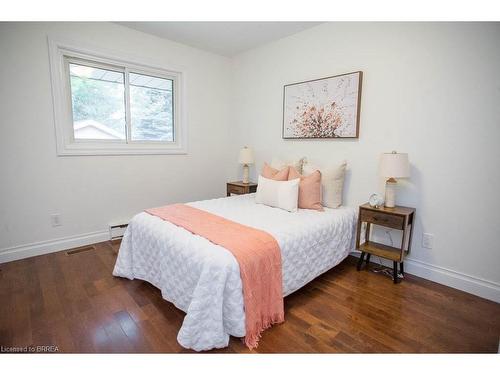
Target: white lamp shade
394,165
246,156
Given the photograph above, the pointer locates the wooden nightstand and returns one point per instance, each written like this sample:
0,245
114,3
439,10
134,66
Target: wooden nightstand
239,187
399,217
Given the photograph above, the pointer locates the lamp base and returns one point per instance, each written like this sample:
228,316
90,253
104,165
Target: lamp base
246,179
390,193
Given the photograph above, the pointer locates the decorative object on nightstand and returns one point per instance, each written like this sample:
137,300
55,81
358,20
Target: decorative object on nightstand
246,158
239,187
376,200
393,165
398,217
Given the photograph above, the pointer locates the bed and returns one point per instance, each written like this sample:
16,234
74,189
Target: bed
202,278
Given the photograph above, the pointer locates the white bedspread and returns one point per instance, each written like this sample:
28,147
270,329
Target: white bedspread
203,279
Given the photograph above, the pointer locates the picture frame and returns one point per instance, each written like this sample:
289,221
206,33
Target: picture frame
323,108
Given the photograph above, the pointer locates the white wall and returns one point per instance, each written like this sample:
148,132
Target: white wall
91,191
432,90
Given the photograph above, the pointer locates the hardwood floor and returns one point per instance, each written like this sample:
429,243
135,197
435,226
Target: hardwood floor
73,302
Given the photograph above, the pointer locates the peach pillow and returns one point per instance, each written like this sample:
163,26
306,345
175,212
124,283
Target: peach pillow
332,183
309,189
274,174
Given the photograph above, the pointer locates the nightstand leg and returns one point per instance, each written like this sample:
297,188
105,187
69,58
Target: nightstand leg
401,269
368,260
395,272
360,261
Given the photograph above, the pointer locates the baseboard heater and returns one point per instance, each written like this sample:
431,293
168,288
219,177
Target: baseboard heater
116,230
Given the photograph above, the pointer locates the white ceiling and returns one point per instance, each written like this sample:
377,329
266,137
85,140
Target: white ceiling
223,38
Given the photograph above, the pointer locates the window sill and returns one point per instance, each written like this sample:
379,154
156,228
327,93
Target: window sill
78,149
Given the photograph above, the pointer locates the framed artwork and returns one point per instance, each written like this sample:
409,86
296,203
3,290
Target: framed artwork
323,108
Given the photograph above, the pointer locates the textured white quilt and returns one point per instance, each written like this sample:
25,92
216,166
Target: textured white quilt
203,279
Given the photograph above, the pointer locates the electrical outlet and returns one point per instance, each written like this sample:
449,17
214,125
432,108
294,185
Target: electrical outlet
55,219
428,240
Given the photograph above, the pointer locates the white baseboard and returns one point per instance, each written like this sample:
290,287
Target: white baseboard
44,247
470,284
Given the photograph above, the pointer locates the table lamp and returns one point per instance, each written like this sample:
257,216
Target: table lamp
246,158
393,165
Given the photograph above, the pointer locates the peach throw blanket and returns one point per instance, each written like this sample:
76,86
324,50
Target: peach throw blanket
258,255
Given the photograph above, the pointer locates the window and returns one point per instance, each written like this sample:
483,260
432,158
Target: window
151,108
97,102
107,106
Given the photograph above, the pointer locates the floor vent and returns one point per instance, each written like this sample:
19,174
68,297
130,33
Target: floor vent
80,250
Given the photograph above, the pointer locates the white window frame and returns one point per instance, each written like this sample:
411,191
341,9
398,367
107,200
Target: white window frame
61,53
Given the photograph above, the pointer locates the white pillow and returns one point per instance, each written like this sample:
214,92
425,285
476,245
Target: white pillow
280,194
279,164
332,183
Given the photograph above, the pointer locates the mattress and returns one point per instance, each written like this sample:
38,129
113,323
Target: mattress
203,279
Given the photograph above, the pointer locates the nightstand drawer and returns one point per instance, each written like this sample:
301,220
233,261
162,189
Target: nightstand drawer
237,189
392,221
